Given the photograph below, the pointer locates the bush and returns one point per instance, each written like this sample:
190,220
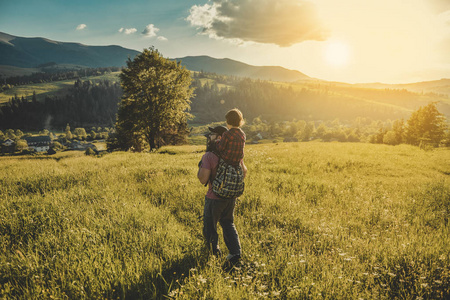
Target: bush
89,151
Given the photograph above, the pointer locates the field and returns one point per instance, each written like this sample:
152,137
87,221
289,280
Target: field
317,220
49,88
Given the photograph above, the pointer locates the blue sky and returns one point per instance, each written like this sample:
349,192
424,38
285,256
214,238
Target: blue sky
391,41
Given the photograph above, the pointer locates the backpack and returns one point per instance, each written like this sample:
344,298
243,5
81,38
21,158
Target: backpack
229,180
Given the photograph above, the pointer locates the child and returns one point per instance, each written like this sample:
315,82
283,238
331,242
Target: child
231,145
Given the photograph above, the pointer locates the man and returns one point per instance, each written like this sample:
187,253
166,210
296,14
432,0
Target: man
217,209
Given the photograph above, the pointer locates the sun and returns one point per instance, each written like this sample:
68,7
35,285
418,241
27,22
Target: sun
337,53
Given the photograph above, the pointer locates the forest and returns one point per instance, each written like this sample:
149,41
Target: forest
85,104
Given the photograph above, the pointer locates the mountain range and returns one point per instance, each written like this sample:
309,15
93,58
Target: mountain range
30,53
22,56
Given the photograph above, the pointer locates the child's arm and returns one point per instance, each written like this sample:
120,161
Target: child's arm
221,144
244,168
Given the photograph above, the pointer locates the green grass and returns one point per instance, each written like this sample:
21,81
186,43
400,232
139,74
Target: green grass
49,88
317,220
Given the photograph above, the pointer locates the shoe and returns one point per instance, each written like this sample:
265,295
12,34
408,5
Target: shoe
233,258
232,263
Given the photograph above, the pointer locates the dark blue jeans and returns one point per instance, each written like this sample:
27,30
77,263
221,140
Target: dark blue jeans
221,211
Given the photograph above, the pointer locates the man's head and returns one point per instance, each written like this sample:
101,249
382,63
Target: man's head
234,118
212,135
216,131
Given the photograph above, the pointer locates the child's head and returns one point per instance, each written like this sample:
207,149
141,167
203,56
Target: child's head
235,118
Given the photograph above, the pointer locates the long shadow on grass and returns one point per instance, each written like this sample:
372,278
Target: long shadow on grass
157,284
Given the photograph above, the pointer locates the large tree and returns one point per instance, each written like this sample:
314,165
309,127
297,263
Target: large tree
155,102
427,123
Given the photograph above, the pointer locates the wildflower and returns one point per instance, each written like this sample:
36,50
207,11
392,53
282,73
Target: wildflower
392,274
173,293
276,293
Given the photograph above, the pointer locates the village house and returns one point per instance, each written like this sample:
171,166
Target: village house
39,143
8,146
8,143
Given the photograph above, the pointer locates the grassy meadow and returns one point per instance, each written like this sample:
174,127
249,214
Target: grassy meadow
317,220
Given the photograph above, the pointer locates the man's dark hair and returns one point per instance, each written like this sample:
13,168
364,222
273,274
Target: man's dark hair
234,117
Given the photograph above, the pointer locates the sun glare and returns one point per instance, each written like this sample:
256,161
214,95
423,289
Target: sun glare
337,53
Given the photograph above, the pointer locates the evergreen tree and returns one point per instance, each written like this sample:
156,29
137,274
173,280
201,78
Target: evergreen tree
69,135
33,98
156,98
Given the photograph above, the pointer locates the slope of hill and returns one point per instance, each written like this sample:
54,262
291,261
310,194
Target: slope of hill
30,52
436,86
231,67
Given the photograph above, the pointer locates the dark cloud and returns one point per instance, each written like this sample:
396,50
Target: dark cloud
281,22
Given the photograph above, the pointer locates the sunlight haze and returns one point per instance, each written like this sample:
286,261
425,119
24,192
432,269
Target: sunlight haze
390,41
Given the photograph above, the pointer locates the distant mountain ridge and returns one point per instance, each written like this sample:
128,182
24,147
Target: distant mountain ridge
226,66
20,55
31,52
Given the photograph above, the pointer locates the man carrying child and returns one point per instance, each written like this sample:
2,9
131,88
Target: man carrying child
229,144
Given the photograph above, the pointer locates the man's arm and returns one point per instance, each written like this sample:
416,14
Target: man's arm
203,175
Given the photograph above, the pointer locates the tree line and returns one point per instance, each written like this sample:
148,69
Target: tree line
84,104
426,126
53,74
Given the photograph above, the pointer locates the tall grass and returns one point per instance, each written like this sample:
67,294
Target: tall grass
316,221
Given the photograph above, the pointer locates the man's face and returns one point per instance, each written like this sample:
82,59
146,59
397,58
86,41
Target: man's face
213,136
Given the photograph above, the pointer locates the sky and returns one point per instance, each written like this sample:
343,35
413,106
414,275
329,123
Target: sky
354,41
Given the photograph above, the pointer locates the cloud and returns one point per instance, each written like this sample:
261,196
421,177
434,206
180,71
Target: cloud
127,30
162,38
282,22
81,26
150,30
440,6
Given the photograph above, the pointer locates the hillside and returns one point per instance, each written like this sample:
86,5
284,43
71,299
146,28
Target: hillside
31,52
436,86
226,66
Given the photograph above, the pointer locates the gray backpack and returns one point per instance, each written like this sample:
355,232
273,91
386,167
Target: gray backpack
229,180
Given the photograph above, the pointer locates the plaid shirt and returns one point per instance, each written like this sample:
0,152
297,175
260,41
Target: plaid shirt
231,146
